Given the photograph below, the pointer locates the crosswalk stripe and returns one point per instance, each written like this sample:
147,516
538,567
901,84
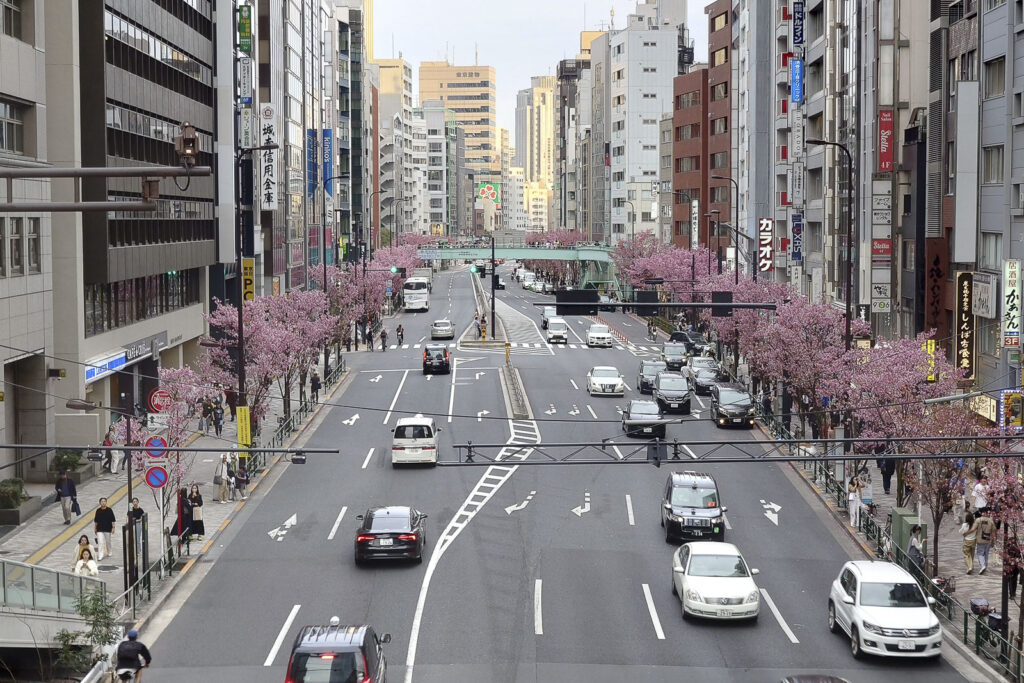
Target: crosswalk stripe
415,346
405,346
394,346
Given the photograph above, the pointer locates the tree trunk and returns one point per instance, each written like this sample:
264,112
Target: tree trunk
287,396
937,515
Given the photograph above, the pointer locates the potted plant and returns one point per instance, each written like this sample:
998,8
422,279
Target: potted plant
74,463
16,505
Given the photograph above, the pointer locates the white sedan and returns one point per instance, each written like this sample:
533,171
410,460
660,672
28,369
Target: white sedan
442,329
605,380
599,335
713,580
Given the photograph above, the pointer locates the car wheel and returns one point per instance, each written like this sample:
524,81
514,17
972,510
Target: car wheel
682,608
855,644
359,560
668,535
674,591
833,625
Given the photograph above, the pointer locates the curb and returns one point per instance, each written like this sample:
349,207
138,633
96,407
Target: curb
159,602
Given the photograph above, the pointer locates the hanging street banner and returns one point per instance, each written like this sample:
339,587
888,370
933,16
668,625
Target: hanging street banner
796,249
328,161
765,248
797,79
269,134
491,191
964,335
929,348
695,223
248,279
1011,410
1011,303
245,28
885,138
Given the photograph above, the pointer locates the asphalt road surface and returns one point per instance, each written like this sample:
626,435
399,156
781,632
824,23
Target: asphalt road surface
533,573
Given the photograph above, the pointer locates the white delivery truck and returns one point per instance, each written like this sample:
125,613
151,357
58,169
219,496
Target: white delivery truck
427,273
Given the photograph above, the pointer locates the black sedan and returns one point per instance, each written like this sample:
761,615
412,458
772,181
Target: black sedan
704,380
672,391
674,355
393,532
642,418
731,405
649,369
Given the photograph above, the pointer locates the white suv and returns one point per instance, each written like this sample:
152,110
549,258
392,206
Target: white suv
884,611
599,335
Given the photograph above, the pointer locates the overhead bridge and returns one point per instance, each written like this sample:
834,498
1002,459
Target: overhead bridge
597,261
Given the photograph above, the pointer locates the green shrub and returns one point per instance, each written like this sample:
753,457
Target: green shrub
66,460
12,493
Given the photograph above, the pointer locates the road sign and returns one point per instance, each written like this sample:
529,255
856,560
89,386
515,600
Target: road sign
159,400
248,279
156,477
242,420
155,446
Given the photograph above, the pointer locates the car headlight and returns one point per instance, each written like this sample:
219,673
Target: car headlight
753,597
872,628
675,518
693,596
934,629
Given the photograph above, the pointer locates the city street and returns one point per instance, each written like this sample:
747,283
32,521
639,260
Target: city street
552,573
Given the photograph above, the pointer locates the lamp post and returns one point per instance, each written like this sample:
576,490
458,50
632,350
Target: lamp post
323,261
718,229
395,219
736,224
632,219
849,231
708,216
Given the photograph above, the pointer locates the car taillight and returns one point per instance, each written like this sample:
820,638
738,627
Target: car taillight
407,537
327,657
398,448
362,538
429,448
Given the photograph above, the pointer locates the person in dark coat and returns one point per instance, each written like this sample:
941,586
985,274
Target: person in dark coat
314,387
66,494
232,399
887,466
195,499
183,525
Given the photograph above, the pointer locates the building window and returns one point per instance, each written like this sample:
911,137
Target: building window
12,126
682,228
687,164
719,91
814,237
16,246
3,247
990,252
720,22
720,57
666,161
11,20
116,304
995,77
992,163
690,99
720,195
909,254
650,69
32,246
992,4
720,160
951,166
719,126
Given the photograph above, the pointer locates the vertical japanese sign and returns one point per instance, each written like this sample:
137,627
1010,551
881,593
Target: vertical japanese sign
248,279
269,135
245,80
798,23
328,161
695,224
929,348
797,79
245,131
312,165
885,133
765,236
1011,303
964,356
245,28
797,247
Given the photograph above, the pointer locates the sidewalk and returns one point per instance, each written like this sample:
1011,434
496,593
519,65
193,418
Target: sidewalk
46,541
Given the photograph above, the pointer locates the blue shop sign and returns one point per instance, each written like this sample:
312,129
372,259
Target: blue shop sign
797,80
105,366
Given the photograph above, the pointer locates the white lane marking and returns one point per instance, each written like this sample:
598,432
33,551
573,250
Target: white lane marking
574,385
422,338
592,413
367,460
415,346
538,617
629,510
654,613
337,522
699,401
280,636
618,453
578,338
451,396
692,454
728,527
778,616
395,399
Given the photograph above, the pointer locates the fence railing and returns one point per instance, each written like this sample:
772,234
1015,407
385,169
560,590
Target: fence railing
29,586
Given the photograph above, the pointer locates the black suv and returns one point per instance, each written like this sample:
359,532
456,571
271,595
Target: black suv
436,359
674,355
732,406
649,369
691,509
338,653
673,392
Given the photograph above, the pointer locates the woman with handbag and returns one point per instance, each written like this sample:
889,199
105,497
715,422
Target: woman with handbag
196,498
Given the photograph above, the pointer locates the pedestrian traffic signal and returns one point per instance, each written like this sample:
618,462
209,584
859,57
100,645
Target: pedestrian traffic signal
398,271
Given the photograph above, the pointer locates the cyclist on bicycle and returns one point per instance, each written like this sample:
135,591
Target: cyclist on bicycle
128,656
401,334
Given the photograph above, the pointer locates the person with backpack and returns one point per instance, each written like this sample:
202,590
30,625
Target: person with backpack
383,339
218,417
986,535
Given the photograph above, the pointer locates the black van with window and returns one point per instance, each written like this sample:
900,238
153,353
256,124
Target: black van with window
338,654
691,509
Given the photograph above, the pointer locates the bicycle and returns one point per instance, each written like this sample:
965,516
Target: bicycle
945,586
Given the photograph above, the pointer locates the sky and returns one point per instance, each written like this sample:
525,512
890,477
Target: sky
520,39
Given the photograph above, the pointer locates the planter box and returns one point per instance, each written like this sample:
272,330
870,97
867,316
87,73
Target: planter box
20,514
85,472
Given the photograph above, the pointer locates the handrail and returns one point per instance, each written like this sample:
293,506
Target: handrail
40,588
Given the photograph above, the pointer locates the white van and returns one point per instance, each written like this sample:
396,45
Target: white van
558,331
527,279
414,441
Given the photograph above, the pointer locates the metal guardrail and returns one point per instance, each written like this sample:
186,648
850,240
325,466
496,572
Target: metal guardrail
29,586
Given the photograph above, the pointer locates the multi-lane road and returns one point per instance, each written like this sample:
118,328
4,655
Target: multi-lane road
554,573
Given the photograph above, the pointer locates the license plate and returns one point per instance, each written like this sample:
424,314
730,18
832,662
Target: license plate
675,405
385,541
647,429
696,533
907,645
609,389
724,613
737,419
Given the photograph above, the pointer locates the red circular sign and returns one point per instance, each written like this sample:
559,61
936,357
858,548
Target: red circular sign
159,400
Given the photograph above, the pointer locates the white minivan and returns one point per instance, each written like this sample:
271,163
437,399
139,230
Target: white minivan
414,441
558,331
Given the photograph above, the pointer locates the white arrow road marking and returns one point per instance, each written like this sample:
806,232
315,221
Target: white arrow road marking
773,517
574,385
277,533
428,377
551,410
367,460
580,509
480,415
538,618
575,410
377,378
592,413
725,519
771,511
695,414
629,510
773,506
280,636
778,616
654,612
398,392
351,421
337,523
516,508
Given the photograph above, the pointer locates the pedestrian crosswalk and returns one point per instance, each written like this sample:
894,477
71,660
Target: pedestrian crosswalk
518,347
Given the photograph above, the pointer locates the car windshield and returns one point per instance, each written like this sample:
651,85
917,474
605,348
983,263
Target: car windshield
673,384
549,311
649,370
442,323
599,329
674,349
413,432
327,667
891,595
556,326
718,566
701,362
645,408
605,373
705,373
393,522
698,339
690,497
413,286
728,397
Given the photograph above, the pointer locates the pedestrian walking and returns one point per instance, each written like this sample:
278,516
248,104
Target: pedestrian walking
853,489
108,455
915,549
969,530
314,387
242,481
103,525
1011,564
196,500
83,544
66,494
980,493
476,323
222,478
958,488
136,512
888,468
232,398
986,534
218,417
86,566
183,525
207,415
383,339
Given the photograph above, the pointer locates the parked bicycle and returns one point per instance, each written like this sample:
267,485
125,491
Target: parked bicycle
945,587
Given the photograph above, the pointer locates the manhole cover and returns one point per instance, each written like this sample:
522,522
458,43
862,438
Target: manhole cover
109,568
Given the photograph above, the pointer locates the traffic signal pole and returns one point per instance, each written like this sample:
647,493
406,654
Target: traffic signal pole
494,276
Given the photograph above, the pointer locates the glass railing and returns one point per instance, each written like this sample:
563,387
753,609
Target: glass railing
31,587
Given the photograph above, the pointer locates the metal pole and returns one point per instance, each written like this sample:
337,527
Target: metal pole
494,274
238,280
323,260
631,219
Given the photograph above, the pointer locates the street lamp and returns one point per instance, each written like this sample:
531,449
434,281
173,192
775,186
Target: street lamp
736,224
395,219
631,218
709,217
849,232
323,261
718,229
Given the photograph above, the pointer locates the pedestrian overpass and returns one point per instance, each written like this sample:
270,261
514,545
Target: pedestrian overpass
36,603
597,261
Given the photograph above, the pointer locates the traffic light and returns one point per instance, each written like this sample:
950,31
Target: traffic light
494,280
395,270
472,269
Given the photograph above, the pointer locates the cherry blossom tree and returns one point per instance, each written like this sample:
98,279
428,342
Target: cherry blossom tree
304,326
